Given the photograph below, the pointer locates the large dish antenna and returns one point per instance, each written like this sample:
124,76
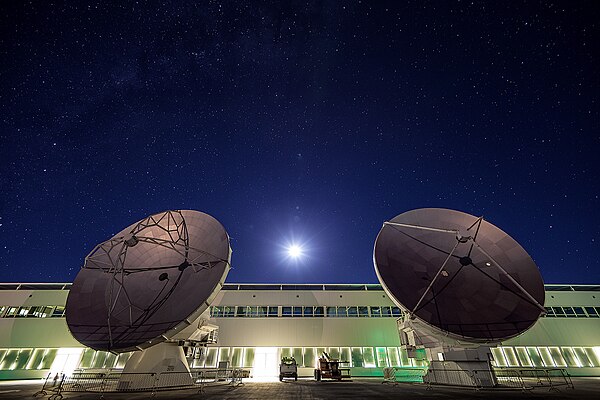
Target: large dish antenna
149,281
460,275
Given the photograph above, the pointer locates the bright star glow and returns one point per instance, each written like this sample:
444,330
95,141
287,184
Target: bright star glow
294,251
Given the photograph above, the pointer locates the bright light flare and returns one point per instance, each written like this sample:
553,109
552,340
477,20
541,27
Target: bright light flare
295,251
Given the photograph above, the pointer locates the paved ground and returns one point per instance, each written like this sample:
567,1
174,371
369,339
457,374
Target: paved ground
585,388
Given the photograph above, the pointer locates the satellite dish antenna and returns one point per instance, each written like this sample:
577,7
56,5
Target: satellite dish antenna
460,280
149,284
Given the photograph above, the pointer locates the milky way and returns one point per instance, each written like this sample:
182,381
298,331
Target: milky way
291,121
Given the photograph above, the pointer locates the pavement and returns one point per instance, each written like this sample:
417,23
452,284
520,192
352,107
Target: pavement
358,388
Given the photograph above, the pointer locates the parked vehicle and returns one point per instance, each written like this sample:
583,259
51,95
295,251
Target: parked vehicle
331,368
288,368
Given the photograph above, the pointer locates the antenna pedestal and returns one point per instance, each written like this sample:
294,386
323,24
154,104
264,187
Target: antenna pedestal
451,362
162,365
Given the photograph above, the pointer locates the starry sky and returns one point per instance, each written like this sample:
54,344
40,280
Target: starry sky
297,122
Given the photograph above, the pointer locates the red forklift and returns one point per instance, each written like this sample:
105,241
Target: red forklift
331,368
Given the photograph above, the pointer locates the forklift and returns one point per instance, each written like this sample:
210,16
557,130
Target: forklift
329,368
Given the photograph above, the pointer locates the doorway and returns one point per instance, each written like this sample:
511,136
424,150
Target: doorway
266,363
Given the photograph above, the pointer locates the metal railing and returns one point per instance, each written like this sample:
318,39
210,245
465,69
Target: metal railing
528,378
123,382
395,375
508,378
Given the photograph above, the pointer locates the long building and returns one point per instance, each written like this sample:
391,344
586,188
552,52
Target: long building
260,323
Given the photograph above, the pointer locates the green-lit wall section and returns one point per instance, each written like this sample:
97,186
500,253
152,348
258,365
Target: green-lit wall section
258,324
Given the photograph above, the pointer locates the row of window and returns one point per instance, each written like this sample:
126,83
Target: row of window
254,357
11,359
364,311
304,311
572,312
541,356
291,311
32,311
381,357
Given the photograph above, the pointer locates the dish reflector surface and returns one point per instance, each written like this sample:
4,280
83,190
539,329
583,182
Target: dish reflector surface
459,274
149,281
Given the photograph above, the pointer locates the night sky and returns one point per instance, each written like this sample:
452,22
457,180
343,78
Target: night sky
292,122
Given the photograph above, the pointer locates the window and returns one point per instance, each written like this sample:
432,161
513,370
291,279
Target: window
36,359
353,311
331,312
99,359
593,354
345,356
216,311
559,361
550,312
363,311
48,359
297,354
357,357
223,354
211,357
262,311
22,358
523,356
9,358
386,311
236,357
23,311
34,312
240,311
286,311
58,311
582,357
393,356
368,357
579,312
511,356
591,312
286,352
534,356
309,357
375,311
308,311
342,311
382,360
273,311
334,352
499,358
319,312
297,311
249,357
406,362
47,311
569,312
229,311
558,311
396,312
86,358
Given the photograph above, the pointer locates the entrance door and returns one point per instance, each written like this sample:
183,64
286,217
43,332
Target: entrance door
66,361
265,363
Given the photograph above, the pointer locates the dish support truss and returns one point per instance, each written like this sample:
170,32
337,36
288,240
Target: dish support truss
110,257
467,236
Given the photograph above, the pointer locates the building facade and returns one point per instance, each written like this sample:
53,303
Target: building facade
260,323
